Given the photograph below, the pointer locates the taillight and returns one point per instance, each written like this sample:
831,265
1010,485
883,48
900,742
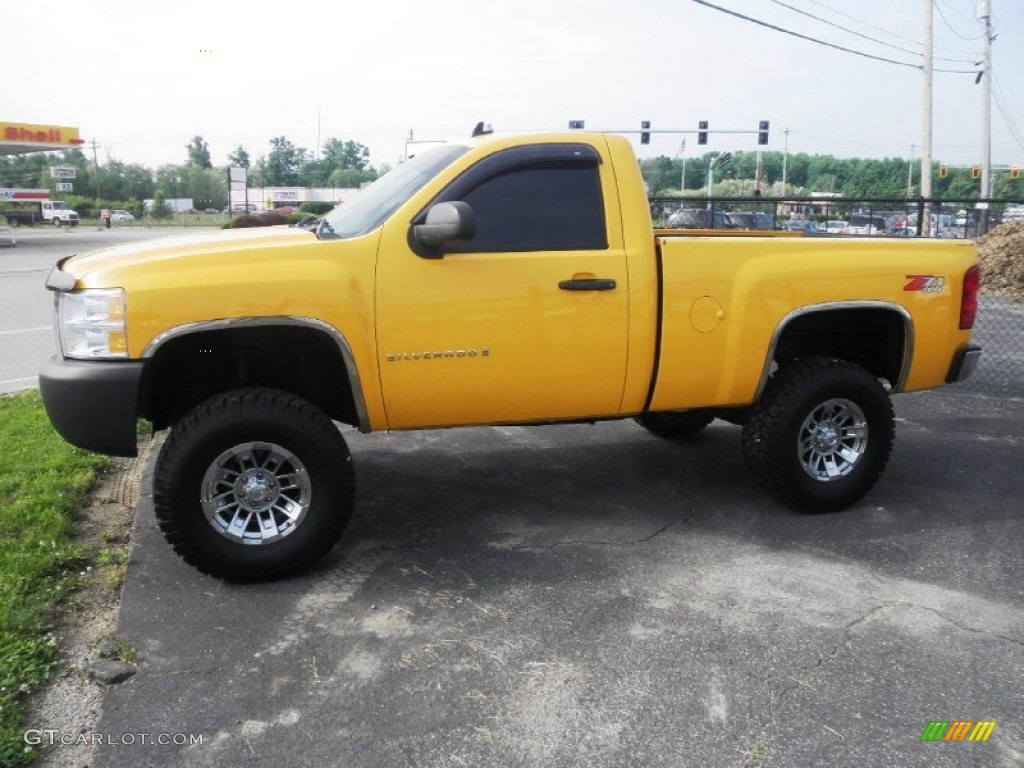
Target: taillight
969,300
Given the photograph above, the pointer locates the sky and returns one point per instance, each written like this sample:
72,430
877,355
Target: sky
142,78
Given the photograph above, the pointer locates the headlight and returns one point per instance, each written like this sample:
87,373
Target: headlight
92,323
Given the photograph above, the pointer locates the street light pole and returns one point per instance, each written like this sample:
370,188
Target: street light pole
682,181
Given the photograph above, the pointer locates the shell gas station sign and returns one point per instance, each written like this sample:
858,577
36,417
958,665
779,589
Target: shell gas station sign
16,138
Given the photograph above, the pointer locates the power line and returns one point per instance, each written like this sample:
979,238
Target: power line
881,29
1005,90
1008,119
862,35
950,26
759,22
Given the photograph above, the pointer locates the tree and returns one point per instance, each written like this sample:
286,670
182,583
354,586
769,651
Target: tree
342,155
198,153
282,164
239,158
159,209
351,178
313,173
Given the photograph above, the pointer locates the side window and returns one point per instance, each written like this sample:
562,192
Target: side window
542,206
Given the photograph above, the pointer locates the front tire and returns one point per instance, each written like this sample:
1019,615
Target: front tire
253,484
821,435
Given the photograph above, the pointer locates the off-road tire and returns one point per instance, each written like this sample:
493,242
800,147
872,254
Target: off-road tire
675,425
261,417
777,434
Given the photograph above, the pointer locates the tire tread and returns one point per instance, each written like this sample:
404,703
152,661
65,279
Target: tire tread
252,403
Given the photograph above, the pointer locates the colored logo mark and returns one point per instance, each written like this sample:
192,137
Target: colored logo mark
958,730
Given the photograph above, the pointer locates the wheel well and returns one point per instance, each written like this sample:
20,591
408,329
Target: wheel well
189,369
873,338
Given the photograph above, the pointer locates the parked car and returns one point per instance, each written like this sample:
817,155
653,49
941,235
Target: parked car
119,217
861,224
801,225
7,237
1009,215
835,227
940,225
699,218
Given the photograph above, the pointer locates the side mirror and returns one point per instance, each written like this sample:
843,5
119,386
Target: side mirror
446,224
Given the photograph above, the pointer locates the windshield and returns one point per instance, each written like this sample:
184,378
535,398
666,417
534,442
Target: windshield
368,210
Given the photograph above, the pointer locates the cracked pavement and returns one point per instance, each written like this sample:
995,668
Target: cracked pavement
595,596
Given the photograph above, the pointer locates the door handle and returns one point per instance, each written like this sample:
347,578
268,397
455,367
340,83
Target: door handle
592,284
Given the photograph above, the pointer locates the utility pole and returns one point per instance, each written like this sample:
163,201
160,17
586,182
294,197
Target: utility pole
96,168
910,173
785,160
985,14
318,135
926,111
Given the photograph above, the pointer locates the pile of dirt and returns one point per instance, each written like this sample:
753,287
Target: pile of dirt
1002,260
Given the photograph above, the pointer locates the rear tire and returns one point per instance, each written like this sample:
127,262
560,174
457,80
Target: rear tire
253,484
674,425
820,436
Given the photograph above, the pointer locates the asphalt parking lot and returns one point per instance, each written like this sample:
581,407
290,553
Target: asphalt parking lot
26,307
594,596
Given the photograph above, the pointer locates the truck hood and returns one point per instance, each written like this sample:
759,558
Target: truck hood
209,245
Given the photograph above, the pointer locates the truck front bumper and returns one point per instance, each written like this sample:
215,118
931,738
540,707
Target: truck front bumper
964,362
93,404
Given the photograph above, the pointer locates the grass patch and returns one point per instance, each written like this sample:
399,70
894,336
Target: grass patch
42,481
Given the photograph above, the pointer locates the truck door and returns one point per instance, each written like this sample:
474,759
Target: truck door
527,320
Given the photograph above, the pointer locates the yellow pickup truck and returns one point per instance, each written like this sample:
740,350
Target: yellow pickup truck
499,280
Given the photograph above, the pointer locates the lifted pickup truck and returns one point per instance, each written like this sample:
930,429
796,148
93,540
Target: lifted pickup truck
501,280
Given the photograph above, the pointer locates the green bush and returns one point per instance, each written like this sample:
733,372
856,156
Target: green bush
316,207
258,220
294,217
160,209
243,221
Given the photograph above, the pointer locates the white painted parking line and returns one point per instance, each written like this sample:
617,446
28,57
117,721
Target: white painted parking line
27,330
24,380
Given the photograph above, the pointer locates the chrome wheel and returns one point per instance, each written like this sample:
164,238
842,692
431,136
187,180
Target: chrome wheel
832,440
256,493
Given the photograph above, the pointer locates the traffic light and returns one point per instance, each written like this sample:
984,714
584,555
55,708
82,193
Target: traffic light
943,171
575,125
702,132
645,138
1014,172
975,172
762,132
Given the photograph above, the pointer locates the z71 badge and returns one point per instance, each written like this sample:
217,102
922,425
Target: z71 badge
926,283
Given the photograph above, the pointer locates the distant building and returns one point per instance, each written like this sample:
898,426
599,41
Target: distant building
176,204
269,198
822,204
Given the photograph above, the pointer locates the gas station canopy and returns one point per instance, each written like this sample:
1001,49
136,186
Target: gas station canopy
19,138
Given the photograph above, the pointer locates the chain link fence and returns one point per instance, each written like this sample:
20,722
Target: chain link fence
1000,323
